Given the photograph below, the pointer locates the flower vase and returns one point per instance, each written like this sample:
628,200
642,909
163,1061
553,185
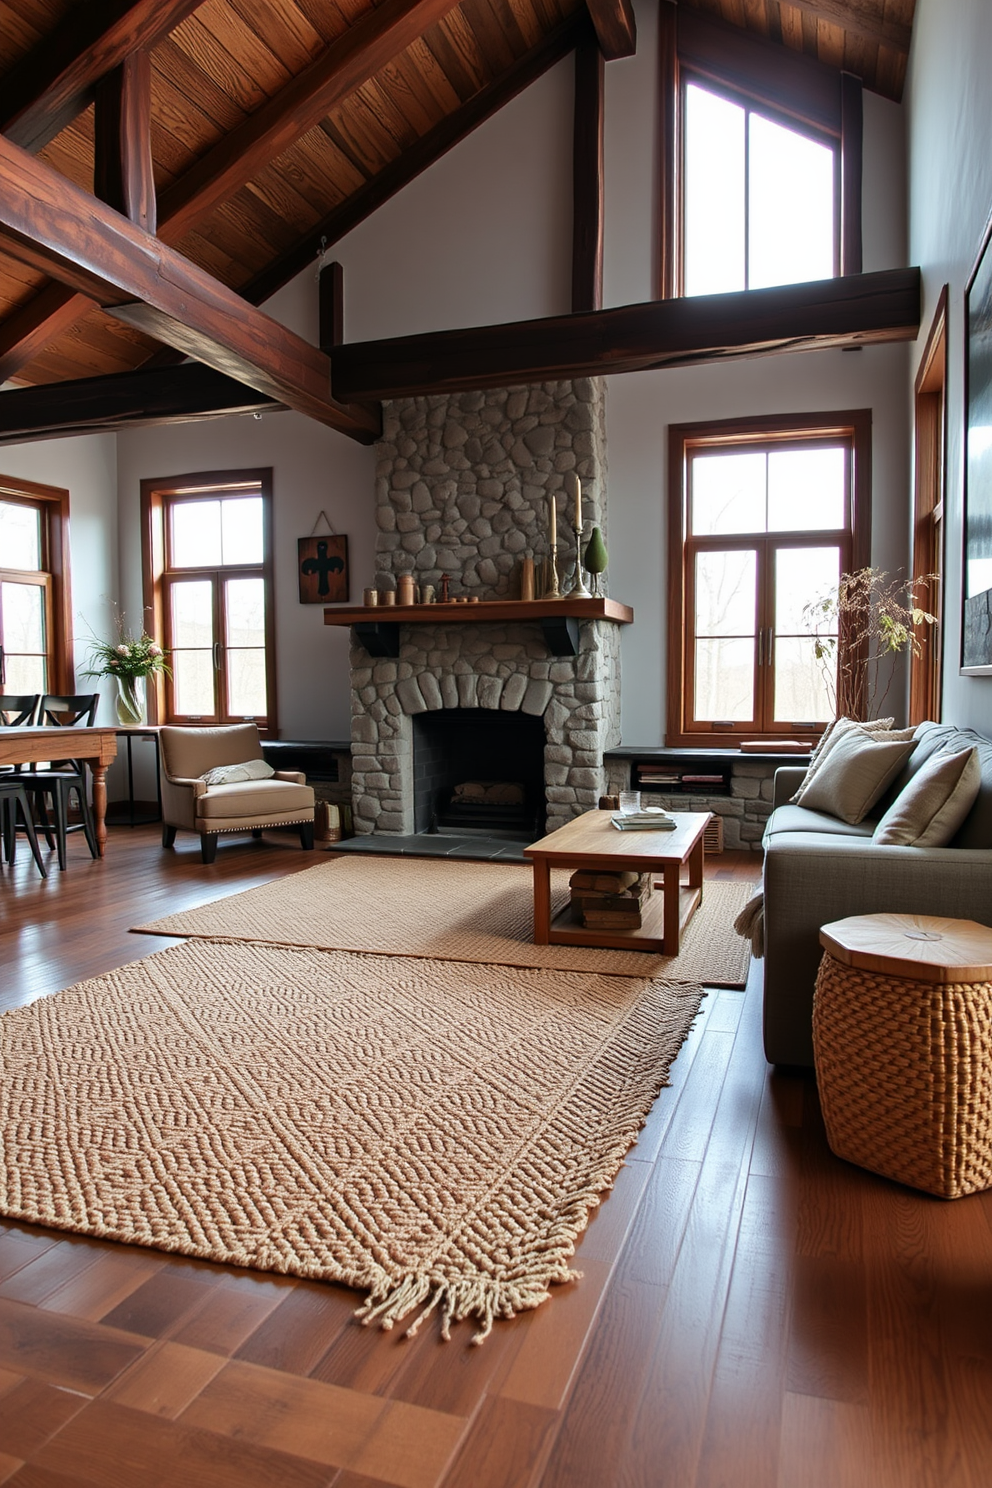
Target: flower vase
130,701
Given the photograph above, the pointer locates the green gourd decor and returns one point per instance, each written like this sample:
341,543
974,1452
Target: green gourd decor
596,557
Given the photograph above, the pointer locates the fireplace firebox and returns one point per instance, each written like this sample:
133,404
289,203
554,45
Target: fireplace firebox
479,773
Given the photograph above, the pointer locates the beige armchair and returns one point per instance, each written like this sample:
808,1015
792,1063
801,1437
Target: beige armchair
192,804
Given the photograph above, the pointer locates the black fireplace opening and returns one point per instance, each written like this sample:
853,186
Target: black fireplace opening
479,773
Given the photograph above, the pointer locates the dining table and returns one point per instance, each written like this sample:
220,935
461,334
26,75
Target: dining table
97,746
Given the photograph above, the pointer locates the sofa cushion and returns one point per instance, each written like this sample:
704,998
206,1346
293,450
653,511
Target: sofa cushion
791,818
934,803
934,738
854,774
257,798
832,734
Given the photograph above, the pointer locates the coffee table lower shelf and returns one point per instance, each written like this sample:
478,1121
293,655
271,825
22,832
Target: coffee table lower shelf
649,937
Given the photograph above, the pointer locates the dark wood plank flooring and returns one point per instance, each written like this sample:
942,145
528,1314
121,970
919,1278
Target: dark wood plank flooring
752,1311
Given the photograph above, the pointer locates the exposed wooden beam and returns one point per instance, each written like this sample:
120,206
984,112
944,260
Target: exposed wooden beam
588,183
616,29
123,400
57,80
122,166
345,65
28,330
861,19
449,132
631,338
331,307
851,156
363,50
49,223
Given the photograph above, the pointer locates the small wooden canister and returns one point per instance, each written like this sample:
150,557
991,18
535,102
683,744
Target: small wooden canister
526,578
370,597
405,589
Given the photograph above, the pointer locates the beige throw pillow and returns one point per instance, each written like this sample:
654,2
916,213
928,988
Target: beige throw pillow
833,732
855,773
254,769
935,802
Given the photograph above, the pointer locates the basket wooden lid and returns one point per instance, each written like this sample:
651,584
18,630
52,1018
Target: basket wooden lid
920,948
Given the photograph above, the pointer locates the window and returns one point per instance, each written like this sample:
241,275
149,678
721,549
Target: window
35,638
765,514
760,161
758,198
928,516
209,585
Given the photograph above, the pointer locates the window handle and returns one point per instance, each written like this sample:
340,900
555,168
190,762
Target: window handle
761,648
217,649
3,666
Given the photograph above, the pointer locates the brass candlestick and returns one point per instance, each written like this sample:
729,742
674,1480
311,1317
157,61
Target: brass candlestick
578,589
553,590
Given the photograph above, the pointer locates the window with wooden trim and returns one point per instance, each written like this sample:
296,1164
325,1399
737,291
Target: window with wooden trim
761,161
35,633
930,437
764,516
208,584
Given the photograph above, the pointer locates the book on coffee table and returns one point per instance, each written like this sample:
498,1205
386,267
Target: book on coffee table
644,821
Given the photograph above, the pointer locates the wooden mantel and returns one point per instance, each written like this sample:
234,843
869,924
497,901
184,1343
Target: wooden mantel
377,626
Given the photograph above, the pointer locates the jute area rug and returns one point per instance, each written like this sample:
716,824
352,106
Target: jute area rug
432,1132
453,911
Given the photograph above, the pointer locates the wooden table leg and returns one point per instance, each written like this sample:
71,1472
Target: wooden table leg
542,902
100,806
696,868
672,874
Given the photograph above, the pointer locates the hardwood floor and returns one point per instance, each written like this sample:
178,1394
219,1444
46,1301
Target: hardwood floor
752,1311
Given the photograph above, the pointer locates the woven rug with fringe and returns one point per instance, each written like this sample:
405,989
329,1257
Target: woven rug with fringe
432,1132
453,911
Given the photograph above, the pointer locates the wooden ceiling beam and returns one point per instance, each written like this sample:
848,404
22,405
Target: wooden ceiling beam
416,158
851,311
27,331
361,52
125,400
122,166
616,28
58,79
48,222
588,179
859,19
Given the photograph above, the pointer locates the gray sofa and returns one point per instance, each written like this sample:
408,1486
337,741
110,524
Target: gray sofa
819,869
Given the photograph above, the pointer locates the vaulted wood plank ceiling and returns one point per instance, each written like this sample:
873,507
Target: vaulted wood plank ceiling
278,123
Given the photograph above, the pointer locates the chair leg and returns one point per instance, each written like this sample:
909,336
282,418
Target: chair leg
208,846
306,835
89,831
25,805
168,835
59,806
256,832
38,802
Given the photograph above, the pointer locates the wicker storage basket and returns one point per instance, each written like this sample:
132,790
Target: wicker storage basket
905,1075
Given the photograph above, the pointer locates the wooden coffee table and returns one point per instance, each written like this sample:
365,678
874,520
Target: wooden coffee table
592,841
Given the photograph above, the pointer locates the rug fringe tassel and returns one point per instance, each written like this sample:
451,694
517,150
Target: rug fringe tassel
480,1298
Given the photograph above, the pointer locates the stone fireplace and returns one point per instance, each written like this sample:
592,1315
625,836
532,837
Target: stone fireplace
462,488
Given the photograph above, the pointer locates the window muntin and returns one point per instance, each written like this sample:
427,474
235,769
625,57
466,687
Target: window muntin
762,524
759,199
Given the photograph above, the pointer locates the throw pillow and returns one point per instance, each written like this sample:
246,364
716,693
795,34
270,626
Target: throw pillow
855,773
834,731
935,802
255,769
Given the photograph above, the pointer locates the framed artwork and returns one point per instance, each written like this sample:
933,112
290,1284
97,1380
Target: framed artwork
976,588
323,565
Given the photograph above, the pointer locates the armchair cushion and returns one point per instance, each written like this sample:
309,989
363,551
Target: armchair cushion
253,769
257,798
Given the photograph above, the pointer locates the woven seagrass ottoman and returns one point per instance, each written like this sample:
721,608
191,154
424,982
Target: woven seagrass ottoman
902,1042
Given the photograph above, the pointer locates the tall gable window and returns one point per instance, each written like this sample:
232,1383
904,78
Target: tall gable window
764,516
208,582
760,161
758,198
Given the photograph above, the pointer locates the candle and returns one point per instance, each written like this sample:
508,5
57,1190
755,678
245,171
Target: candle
577,489
553,520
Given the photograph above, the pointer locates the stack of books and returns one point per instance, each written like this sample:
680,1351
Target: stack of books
610,901
651,820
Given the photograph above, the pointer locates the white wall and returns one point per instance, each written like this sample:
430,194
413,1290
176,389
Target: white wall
485,236
949,116
85,467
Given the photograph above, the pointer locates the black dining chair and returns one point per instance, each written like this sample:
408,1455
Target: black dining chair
63,776
17,710
14,799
